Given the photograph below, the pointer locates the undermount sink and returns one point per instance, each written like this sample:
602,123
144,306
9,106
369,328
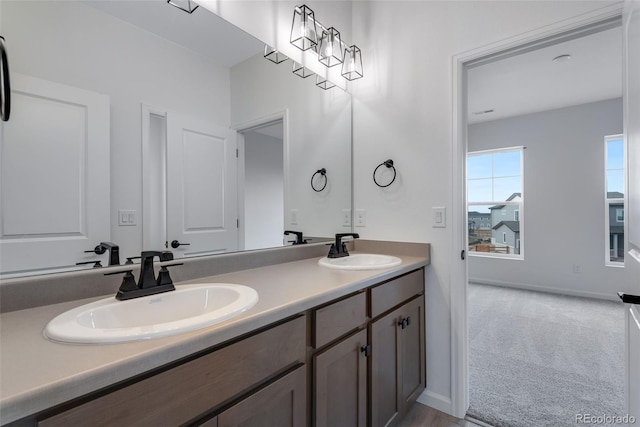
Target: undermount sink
187,308
361,262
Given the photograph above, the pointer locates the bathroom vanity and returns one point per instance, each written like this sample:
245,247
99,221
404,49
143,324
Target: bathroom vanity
322,347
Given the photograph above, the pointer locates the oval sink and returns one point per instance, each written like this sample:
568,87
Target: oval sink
187,308
361,262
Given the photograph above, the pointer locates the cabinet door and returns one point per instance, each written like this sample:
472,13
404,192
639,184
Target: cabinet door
281,404
341,383
385,338
397,361
412,379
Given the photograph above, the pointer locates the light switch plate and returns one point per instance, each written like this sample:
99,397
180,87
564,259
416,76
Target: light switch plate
439,217
126,217
346,217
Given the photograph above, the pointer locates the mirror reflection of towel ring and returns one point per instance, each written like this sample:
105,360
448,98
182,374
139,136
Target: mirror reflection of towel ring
322,172
388,164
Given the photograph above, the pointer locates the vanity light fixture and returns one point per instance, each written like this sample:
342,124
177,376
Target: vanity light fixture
330,48
352,65
304,34
323,83
274,55
185,5
301,70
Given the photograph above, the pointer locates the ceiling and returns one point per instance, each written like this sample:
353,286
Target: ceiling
201,31
533,82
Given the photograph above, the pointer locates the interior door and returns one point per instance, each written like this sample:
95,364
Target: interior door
632,262
54,175
202,207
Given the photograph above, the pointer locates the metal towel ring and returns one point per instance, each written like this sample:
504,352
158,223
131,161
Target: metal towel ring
5,90
388,164
322,172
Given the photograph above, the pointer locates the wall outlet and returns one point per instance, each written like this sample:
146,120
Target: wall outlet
346,217
361,218
293,218
126,217
577,268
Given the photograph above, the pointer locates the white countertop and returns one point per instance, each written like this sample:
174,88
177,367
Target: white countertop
36,373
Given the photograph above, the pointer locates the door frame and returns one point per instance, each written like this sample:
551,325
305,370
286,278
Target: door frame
579,25
246,126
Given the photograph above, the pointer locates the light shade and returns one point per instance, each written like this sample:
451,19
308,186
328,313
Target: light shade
274,55
330,48
352,65
304,34
301,71
186,5
323,83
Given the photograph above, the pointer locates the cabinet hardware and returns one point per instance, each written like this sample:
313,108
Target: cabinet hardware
366,349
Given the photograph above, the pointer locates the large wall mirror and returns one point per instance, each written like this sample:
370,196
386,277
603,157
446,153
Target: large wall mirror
138,124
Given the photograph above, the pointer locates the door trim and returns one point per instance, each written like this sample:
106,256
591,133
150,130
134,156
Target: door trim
459,273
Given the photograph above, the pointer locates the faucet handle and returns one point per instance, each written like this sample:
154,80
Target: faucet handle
163,275
128,281
96,263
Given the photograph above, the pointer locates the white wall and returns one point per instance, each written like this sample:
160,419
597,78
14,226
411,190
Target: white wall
317,135
263,191
74,44
564,211
403,110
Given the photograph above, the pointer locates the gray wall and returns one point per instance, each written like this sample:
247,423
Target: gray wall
564,212
263,191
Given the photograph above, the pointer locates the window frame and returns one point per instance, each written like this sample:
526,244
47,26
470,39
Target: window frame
519,203
614,201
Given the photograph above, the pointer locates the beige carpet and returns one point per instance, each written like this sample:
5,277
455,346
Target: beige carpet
539,359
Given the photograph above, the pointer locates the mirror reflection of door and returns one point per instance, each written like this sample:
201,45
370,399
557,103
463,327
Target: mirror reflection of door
190,200
261,188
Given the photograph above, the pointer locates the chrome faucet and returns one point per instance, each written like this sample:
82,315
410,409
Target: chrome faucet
339,248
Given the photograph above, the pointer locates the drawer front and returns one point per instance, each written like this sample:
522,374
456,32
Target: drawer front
339,318
394,292
180,394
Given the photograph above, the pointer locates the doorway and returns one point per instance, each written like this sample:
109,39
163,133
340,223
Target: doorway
261,185
606,18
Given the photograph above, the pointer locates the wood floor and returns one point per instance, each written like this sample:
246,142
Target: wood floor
424,416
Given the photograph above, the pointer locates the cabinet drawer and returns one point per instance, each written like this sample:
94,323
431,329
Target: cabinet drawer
339,318
394,292
180,394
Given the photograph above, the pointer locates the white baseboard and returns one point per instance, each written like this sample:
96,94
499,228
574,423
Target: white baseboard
561,291
437,401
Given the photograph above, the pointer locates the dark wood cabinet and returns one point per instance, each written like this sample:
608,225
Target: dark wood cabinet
340,376
282,403
358,361
397,361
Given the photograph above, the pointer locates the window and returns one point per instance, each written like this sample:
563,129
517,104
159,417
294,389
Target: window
494,194
615,176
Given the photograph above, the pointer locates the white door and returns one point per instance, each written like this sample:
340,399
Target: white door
54,175
202,207
632,262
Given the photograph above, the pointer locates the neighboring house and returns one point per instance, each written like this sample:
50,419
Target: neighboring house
616,227
507,234
505,225
479,221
